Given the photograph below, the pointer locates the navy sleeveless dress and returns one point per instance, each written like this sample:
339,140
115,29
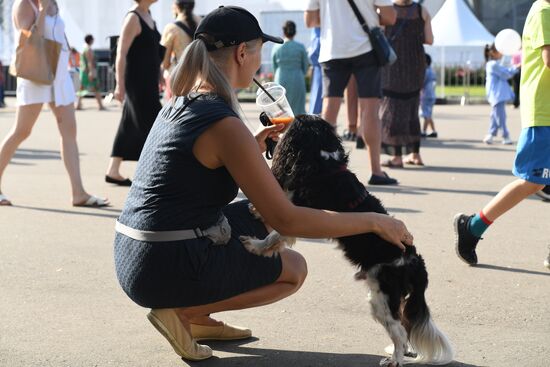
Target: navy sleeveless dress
172,190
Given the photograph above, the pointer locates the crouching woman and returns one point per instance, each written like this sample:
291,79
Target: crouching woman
177,248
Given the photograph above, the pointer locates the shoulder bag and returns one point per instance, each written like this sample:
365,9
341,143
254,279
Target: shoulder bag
185,28
36,57
384,52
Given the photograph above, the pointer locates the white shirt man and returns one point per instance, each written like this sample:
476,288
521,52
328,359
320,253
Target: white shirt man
346,51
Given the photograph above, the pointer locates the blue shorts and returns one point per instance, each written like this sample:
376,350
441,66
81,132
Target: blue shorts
533,155
427,106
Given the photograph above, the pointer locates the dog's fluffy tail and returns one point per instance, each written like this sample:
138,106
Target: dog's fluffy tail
430,344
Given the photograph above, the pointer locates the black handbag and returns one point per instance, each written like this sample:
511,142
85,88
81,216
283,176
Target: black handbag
384,52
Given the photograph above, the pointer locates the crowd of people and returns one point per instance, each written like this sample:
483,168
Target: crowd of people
177,247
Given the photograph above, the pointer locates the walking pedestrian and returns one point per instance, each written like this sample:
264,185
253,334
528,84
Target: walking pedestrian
74,68
176,37
402,82
427,100
498,92
138,59
290,64
316,87
60,96
89,81
198,154
532,163
352,108
346,51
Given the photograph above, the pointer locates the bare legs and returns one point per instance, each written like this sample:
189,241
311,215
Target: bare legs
291,279
511,195
351,104
428,124
66,123
97,97
371,130
113,170
331,107
25,119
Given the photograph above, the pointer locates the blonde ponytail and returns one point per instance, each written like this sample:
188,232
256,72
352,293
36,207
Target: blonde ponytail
198,66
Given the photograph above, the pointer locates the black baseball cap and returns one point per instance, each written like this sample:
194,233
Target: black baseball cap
230,26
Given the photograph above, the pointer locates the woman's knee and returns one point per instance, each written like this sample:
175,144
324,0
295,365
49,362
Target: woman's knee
21,133
294,268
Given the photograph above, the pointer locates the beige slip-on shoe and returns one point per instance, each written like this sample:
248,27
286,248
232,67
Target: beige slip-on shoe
167,322
220,332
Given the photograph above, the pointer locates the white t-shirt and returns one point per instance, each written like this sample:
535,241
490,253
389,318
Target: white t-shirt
341,34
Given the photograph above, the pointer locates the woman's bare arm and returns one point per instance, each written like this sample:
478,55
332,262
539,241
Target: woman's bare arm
168,43
24,17
312,18
387,15
428,34
244,161
130,30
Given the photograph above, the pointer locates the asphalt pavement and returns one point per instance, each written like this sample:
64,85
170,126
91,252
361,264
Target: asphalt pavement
61,305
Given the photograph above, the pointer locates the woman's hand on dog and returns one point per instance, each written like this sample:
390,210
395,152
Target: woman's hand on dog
394,231
264,132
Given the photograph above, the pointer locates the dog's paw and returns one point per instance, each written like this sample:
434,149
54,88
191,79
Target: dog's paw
388,362
251,244
256,246
255,213
275,249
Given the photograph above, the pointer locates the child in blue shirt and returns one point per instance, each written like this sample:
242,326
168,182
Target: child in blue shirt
498,93
427,99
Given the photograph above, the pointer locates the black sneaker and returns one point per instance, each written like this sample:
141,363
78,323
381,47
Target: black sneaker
359,143
545,193
432,135
382,180
465,242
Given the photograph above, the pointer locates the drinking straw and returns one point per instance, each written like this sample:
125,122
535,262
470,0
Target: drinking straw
268,94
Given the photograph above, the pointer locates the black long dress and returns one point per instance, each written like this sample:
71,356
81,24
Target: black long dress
142,103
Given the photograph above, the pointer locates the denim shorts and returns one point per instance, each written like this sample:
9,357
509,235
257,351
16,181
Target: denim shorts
427,106
533,155
337,72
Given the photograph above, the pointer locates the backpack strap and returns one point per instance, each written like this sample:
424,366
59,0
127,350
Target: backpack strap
185,28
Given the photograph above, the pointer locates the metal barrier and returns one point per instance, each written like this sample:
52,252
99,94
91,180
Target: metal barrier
457,75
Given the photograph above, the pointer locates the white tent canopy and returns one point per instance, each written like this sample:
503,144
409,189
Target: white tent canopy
456,25
459,37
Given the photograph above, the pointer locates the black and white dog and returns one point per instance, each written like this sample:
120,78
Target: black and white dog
311,165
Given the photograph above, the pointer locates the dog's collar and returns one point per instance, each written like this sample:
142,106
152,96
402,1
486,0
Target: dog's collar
355,203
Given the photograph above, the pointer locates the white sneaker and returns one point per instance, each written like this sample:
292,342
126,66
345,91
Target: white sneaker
488,139
547,260
507,141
